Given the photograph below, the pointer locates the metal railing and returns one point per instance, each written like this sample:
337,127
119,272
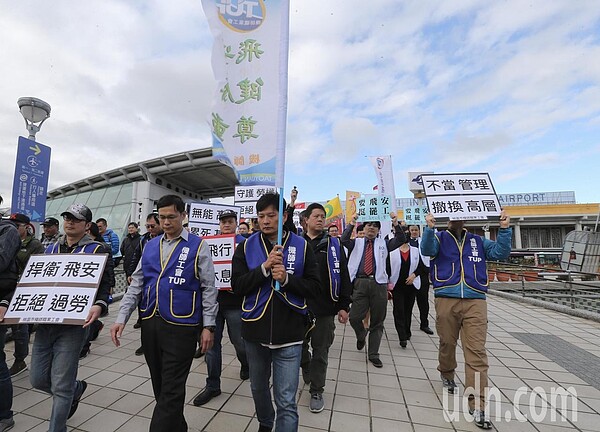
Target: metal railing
569,288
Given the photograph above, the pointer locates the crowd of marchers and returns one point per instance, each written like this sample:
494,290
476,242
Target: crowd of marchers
307,276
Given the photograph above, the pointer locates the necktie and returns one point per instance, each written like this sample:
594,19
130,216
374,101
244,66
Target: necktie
369,258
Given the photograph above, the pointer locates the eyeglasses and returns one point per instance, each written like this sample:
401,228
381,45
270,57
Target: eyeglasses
169,217
150,226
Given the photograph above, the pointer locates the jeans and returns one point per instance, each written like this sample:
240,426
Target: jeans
233,319
6,388
320,339
21,337
54,363
286,365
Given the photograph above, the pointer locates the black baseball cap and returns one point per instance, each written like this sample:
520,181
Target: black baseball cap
20,218
79,211
50,221
227,214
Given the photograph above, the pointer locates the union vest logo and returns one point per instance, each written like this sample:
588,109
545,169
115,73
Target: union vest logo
241,15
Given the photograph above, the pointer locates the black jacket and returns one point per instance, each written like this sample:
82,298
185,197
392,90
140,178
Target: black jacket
10,243
279,324
130,256
323,304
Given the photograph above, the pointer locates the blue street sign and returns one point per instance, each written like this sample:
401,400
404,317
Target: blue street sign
30,185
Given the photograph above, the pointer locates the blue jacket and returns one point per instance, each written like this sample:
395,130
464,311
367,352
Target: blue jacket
112,240
458,266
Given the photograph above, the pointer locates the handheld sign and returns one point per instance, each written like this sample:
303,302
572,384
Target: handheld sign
373,208
221,249
204,217
468,196
56,289
247,196
415,215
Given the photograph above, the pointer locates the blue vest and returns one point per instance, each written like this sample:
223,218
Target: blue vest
174,291
255,304
89,248
334,254
456,264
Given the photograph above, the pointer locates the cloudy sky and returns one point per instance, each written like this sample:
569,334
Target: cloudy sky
511,88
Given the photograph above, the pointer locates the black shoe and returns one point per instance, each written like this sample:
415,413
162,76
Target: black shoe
427,330
205,396
376,362
244,373
360,344
403,343
262,428
139,351
198,353
76,399
84,353
137,325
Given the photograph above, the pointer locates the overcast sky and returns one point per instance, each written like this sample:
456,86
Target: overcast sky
511,88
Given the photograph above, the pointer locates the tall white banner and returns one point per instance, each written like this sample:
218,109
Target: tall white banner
250,64
385,177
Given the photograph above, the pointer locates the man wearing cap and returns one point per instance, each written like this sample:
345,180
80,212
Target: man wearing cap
230,308
50,234
29,246
174,286
367,268
9,247
55,356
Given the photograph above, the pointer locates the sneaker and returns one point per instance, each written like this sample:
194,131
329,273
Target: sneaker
77,398
6,424
139,351
316,403
449,385
18,367
482,420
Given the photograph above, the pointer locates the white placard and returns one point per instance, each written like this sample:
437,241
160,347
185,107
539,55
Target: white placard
203,230
463,196
415,215
208,213
246,197
373,208
221,249
57,289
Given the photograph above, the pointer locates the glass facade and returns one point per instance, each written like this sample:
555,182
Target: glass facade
112,203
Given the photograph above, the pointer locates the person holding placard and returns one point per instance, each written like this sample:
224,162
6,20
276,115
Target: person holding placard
229,313
367,268
459,277
56,348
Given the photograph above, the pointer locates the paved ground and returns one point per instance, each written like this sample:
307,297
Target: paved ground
405,395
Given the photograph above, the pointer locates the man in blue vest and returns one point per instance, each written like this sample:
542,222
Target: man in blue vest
56,348
459,277
174,286
230,306
367,269
273,321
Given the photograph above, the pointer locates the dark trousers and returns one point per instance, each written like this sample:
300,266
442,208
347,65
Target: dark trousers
423,301
403,300
368,295
169,351
320,339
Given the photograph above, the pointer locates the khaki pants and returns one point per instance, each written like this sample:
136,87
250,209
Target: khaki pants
467,317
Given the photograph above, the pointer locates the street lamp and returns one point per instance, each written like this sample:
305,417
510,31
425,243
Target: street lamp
34,111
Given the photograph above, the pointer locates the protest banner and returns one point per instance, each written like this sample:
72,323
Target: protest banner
415,215
246,197
373,208
461,196
56,289
203,219
221,249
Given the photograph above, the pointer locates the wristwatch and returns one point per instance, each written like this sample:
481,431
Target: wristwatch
210,328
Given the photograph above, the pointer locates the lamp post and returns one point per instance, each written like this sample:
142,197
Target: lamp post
34,111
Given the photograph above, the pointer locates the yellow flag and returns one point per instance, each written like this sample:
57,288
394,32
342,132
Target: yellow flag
333,209
351,197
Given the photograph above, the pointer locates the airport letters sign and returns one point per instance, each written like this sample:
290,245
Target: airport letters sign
221,249
56,289
30,184
373,208
468,196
